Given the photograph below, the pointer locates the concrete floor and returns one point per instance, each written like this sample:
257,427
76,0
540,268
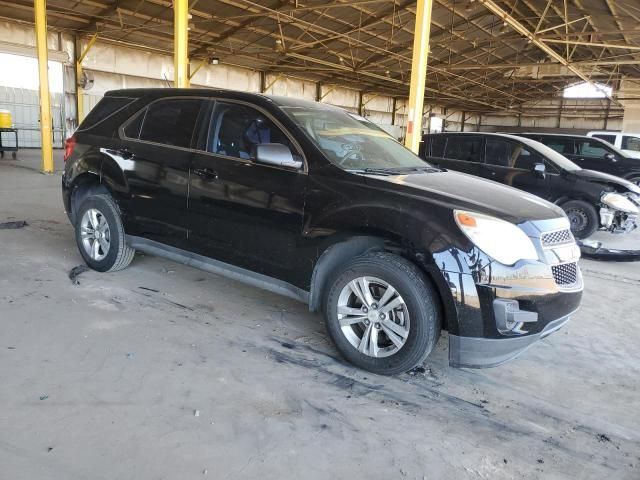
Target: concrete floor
161,371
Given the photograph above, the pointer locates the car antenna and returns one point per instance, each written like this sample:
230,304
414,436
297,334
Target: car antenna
166,80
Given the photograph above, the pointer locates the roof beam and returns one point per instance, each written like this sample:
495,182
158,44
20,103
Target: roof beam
521,29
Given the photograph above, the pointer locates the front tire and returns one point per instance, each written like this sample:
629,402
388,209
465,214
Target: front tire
100,235
382,313
583,218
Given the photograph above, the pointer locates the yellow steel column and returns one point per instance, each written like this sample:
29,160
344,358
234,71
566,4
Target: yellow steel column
418,74
79,89
40,7
181,43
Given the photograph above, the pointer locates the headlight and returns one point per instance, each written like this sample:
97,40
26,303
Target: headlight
619,202
501,240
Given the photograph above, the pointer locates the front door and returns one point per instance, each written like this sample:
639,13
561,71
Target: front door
512,163
593,154
243,212
155,154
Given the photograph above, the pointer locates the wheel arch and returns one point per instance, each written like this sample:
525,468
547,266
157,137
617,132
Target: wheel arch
359,243
84,185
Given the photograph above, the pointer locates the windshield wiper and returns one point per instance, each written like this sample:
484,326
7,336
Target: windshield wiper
393,170
376,171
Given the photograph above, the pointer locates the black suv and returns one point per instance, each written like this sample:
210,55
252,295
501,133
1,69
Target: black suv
591,153
592,200
302,199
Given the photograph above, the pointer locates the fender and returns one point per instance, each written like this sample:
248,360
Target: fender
412,236
112,173
98,172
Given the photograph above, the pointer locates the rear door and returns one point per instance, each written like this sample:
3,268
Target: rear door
462,153
512,163
155,157
243,212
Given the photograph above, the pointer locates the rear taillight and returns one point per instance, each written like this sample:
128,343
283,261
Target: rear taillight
69,145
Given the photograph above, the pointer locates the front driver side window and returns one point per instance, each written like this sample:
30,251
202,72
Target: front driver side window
236,130
591,148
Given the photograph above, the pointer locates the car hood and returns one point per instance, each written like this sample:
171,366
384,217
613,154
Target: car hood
457,190
620,184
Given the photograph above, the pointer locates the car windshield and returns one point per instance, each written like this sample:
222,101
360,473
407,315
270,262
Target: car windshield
352,144
553,156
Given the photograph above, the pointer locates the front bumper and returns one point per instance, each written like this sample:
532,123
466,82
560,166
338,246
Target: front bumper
474,352
615,221
501,310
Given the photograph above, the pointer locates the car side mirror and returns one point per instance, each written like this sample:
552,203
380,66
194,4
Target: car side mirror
276,154
540,170
610,156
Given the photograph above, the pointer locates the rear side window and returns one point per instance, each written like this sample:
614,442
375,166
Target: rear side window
104,109
498,152
560,145
631,143
437,146
607,138
171,121
464,148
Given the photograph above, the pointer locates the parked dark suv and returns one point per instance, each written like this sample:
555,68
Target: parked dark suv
592,200
591,153
302,199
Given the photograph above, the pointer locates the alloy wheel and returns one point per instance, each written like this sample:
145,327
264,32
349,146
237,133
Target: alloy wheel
373,317
95,234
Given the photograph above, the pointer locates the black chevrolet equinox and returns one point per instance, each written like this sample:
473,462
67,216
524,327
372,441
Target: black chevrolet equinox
302,199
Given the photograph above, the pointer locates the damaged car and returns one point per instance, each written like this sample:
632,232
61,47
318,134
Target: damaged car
592,200
302,199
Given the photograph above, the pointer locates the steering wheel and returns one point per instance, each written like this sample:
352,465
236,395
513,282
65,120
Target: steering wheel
352,153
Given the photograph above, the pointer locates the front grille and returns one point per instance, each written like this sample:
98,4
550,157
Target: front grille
556,238
566,274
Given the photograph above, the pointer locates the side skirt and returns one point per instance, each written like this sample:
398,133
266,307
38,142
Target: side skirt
220,268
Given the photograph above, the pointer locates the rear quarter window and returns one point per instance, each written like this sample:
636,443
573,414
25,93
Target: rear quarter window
105,108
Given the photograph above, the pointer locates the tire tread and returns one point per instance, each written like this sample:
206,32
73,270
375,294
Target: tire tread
125,254
426,295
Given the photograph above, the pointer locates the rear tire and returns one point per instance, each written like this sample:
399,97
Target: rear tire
386,333
583,218
100,235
